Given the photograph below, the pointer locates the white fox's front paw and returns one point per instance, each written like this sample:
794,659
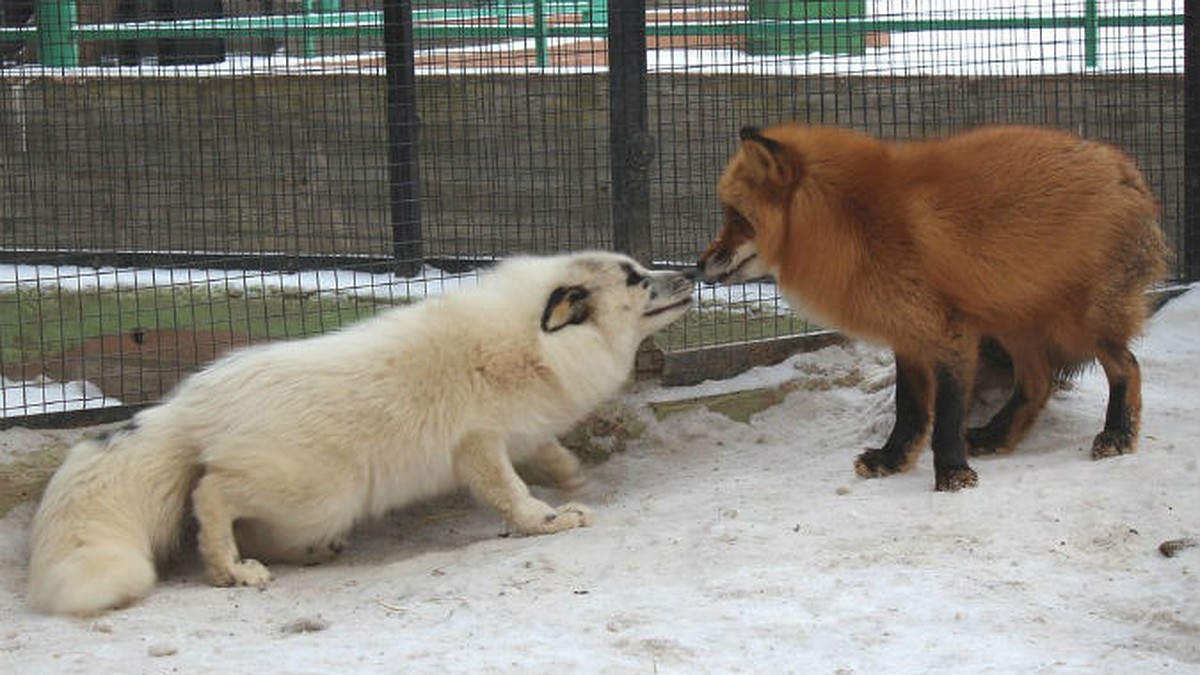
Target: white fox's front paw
540,518
247,572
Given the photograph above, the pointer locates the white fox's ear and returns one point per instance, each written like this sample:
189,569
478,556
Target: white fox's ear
768,163
566,306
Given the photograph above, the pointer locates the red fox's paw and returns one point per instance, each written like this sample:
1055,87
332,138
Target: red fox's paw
955,478
1113,442
876,463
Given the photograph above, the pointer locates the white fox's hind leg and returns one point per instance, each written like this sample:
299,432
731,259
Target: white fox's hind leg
561,466
257,539
218,548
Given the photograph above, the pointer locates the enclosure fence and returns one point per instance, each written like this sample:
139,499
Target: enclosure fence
182,177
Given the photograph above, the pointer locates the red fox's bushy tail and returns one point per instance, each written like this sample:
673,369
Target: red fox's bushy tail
110,513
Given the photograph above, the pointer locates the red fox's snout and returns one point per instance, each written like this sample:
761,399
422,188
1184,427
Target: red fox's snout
732,256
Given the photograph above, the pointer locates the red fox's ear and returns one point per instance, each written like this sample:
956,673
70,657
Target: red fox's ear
769,163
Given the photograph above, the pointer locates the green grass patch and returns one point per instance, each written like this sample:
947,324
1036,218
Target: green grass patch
713,324
738,406
36,323
39,323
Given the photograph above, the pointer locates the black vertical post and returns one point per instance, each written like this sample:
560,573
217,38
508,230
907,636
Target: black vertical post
631,145
403,127
184,51
1191,140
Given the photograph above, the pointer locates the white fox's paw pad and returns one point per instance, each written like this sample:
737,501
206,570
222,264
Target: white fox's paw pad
249,572
322,553
539,518
569,516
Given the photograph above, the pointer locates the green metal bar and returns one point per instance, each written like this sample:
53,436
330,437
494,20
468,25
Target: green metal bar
783,26
596,12
348,24
1091,34
310,43
317,9
344,24
58,45
368,23
909,25
539,34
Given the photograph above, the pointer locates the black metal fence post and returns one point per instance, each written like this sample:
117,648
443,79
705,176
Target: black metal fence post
184,51
403,128
631,145
1191,140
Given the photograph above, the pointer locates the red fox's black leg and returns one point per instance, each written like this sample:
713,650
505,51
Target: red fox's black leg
990,437
1033,377
912,424
951,471
1122,420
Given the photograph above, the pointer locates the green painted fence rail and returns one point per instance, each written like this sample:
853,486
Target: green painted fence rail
59,37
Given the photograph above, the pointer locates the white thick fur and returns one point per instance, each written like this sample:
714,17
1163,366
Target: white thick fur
282,448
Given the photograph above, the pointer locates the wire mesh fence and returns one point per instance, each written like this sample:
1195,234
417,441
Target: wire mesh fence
180,177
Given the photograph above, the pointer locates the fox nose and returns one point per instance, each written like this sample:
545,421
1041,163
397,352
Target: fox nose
697,273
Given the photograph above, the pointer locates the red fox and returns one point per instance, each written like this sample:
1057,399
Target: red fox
1038,240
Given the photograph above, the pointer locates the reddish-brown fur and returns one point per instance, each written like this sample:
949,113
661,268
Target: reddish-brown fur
1038,239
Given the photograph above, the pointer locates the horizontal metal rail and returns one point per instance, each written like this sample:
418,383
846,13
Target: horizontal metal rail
370,24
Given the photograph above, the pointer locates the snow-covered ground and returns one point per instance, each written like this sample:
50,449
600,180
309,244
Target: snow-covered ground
720,546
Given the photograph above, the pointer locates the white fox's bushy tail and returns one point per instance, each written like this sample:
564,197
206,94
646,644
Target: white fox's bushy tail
90,579
110,513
